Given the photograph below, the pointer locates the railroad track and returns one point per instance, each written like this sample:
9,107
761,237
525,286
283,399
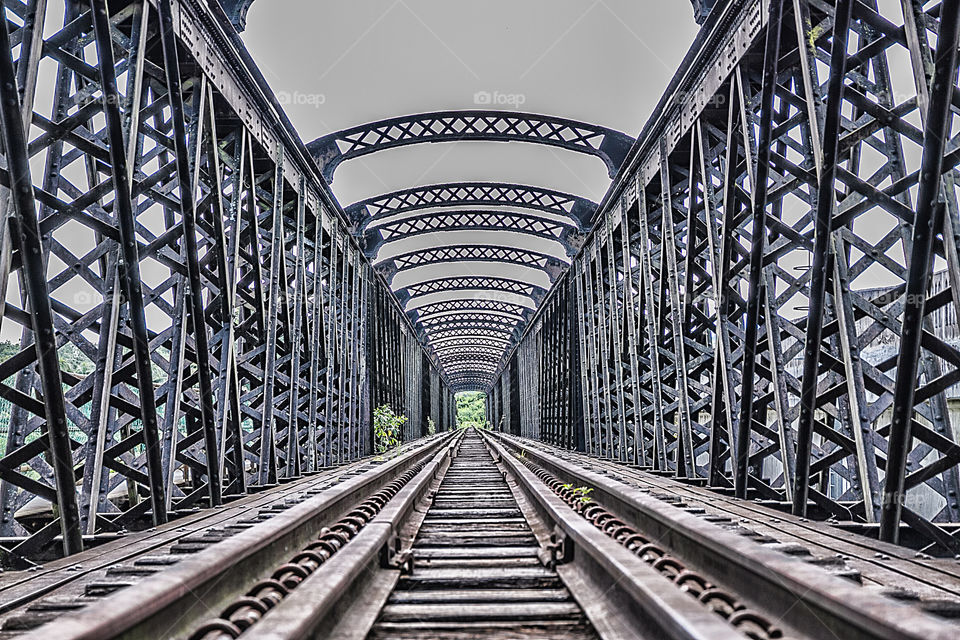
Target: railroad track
480,535
476,568
933,583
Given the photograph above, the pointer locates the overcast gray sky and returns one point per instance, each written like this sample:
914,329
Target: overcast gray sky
338,64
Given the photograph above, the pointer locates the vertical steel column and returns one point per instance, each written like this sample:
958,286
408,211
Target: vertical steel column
268,430
935,135
771,58
826,190
130,271
41,315
573,350
188,220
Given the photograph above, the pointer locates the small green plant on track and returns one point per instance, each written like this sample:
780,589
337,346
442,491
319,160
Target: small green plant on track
582,493
431,427
386,428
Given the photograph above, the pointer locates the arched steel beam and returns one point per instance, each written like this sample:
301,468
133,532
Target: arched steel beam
460,194
460,376
473,369
466,361
486,318
550,265
467,344
437,332
482,335
448,315
471,355
472,283
609,145
374,238
428,333
483,349
472,365
469,305
515,299
470,382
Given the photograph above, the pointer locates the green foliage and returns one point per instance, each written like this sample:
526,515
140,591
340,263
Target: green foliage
386,428
431,426
583,493
471,409
72,360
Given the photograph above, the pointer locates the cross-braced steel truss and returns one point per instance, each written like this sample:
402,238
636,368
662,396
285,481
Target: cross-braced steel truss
549,220
755,307
168,232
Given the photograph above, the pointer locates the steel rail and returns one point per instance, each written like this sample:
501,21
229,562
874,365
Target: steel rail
630,591
933,583
802,595
171,601
320,602
18,590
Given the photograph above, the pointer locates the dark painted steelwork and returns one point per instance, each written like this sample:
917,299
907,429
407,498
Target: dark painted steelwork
818,270
129,256
550,265
20,186
567,235
754,306
473,125
930,212
475,194
225,331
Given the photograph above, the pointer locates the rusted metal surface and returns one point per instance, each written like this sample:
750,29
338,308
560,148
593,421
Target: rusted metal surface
245,612
784,581
26,596
170,601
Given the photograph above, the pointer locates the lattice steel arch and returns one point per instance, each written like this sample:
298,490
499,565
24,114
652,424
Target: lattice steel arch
482,335
485,318
550,265
466,324
480,369
469,305
461,194
475,347
472,356
375,237
453,126
489,284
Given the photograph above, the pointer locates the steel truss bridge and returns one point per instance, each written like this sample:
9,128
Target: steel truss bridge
762,309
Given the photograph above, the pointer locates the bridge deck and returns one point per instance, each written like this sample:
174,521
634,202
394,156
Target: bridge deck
473,534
